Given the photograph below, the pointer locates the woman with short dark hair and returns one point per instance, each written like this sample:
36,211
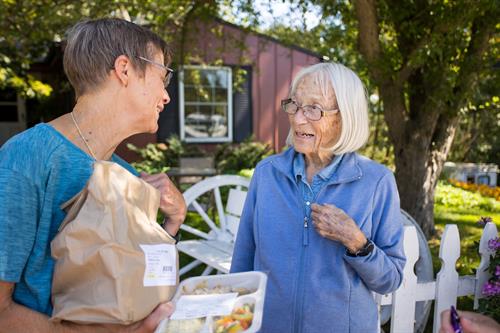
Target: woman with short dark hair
119,73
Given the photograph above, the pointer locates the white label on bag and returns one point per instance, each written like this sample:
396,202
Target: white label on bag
198,306
161,266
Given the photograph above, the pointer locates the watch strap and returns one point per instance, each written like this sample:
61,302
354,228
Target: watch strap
176,237
364,251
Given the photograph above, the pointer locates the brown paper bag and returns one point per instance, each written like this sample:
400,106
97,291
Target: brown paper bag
114,263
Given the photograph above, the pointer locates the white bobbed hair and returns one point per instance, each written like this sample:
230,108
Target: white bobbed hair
351,99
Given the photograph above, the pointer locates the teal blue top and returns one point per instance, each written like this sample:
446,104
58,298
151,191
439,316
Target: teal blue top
39,170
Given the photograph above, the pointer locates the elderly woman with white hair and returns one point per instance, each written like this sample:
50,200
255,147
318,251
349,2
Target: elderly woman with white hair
321,220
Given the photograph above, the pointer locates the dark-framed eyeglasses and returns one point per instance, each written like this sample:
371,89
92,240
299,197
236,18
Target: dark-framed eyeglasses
170,71
311,112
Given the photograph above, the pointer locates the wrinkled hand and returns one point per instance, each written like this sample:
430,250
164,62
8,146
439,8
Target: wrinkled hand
151,322
333,223
471,322
171,200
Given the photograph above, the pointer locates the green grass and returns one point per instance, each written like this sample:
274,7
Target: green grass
470,234
463,208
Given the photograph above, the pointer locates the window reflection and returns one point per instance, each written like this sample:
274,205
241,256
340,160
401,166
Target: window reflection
206,100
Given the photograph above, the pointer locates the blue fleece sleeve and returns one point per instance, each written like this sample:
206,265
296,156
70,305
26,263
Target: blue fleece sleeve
382,270
18,223
244,247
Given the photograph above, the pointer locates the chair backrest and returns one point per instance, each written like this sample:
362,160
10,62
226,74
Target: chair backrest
234,208
228,210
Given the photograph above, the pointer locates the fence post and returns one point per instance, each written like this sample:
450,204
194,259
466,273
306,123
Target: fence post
447,278
404,299
482,275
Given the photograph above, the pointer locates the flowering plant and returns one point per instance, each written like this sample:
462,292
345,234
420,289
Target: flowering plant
490,305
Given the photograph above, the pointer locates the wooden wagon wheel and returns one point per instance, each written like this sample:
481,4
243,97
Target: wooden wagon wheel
220,217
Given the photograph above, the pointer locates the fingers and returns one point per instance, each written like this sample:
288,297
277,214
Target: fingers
161,312
159,181
469,326
445,322
170,308
154,178
319,207
478,323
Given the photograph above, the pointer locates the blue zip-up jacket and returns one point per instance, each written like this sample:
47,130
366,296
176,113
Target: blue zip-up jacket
313,285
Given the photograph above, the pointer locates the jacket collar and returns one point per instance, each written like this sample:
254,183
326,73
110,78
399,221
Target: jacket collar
347,171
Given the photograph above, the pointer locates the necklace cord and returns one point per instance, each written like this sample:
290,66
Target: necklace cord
82,137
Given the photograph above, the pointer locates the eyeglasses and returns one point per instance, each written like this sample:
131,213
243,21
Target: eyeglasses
169,71
311,112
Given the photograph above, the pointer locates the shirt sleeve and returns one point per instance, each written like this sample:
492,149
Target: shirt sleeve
18,223
244,247
382,269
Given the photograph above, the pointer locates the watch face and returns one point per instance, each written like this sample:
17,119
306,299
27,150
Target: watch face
370,247
367,249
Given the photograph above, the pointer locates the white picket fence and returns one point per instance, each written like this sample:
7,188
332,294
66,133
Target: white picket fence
448,284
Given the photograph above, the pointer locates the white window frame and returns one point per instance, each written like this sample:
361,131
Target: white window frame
229,137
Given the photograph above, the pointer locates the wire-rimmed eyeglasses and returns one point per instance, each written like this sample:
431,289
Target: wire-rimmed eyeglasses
311,112
169,71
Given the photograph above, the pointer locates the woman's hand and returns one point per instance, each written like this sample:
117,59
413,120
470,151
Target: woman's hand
471,322
151,322
333,223
171,200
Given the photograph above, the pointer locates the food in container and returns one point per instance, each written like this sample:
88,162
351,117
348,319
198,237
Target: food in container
246,314
238,321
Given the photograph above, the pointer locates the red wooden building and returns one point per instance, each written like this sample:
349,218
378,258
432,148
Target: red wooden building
234,99
237,95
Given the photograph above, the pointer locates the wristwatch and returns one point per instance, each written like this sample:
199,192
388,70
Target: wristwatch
364,251
176,237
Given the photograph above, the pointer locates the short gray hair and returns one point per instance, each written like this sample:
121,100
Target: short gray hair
92,47
351,99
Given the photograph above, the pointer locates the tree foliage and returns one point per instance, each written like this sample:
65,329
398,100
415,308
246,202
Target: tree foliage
30,28
432,63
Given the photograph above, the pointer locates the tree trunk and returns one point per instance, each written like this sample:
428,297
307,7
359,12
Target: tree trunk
416,185
419,163
421,115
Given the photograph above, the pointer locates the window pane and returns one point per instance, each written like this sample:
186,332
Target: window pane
220,95
205,121
197,94
206,102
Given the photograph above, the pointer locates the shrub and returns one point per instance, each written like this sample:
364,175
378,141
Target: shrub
230,158
159,157
153,158
456,198
485,190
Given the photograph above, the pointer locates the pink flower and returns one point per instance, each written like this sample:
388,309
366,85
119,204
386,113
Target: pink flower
494,243
483,220
491,288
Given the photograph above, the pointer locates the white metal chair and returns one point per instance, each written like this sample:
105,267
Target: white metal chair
215,247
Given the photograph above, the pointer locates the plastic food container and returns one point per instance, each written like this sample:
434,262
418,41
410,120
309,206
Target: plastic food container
252,281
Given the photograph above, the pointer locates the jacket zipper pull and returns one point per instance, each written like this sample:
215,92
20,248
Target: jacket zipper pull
305,238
